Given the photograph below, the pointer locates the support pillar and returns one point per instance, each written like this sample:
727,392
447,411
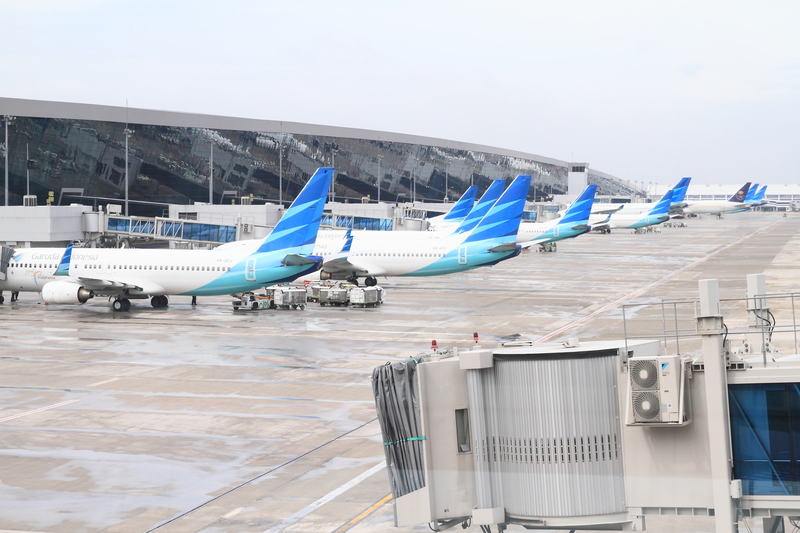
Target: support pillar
711,327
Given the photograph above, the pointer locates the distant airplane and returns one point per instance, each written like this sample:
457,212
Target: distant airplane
717,207
620,220
574,222
488,199
75,275
493,239
677,203
458,212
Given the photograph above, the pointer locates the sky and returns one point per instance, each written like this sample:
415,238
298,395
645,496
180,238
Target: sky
647,91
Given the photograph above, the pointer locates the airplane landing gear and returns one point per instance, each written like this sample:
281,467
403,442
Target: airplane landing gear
159,301
370,281
353,280
121,304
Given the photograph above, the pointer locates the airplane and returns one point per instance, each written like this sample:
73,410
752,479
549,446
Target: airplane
492,240
457,213
678,194
658,214
76,275
758,199
717,207
574,222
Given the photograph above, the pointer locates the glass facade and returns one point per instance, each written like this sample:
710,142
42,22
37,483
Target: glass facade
765,435
192,231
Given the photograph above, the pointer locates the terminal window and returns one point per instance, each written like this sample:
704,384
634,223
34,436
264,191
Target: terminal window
765,432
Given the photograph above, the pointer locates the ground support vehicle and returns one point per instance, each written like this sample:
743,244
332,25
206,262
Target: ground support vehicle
366,296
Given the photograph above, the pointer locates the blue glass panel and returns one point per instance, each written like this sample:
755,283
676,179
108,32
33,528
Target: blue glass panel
765,433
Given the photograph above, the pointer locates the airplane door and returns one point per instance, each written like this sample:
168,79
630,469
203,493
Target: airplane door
462,255
250,269
555,230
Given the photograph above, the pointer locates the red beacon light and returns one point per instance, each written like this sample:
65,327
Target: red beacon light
434,346
475,337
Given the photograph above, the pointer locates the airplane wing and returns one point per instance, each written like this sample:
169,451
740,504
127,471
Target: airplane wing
113,287
600,209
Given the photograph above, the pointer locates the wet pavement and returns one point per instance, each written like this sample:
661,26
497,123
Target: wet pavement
202,419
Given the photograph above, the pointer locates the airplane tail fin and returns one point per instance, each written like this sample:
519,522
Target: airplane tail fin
463,206
751,194
662,207
741,194
486,202
297,229
581,208
63,266
679,190
760,194
502,220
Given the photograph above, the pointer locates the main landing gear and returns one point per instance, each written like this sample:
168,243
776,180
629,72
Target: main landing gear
370,281
121,304
159,301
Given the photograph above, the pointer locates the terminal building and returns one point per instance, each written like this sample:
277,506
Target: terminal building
193,177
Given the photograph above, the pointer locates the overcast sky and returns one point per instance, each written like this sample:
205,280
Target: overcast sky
646,91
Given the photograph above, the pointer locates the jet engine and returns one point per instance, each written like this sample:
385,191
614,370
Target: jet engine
65,292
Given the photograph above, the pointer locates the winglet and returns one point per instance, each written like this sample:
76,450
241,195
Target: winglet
297,229
348,241
463,206
63,266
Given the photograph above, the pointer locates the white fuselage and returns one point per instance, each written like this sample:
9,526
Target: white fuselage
713,207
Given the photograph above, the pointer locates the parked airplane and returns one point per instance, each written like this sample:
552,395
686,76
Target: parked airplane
432,253
620,220
678,194
488,199
717,207
574,222
459,210
76,275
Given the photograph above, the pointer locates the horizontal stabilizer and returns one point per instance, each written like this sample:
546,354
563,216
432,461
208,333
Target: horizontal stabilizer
300,260
504,248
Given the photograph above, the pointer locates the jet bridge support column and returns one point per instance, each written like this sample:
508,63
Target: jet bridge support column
711,327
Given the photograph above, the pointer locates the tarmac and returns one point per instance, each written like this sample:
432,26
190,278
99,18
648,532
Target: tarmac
202,419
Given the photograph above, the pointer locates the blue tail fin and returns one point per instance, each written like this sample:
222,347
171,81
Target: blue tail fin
679,190
63,266
741,194
299,225
662,207
463,206
502,220
581,208
751,194
482,207
760,194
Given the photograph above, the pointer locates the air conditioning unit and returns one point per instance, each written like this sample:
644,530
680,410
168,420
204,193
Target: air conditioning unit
658,391
29,200
246,228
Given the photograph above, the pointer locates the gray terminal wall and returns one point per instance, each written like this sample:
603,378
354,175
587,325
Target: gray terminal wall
83,146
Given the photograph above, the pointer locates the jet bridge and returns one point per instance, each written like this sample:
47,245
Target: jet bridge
695,412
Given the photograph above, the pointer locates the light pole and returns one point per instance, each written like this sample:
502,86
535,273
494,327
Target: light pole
280,173
211,175
27,171
446,168
380,158
128,133
7,119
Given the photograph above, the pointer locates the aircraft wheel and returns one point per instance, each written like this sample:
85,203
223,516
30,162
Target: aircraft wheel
370,281
118,306
354,281
2,299
126,304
